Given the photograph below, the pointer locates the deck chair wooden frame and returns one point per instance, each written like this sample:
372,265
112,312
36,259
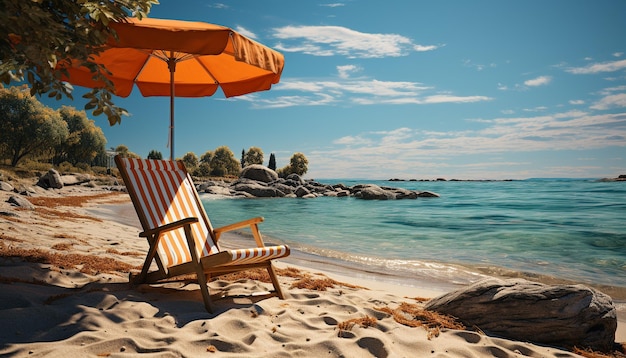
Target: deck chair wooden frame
181,239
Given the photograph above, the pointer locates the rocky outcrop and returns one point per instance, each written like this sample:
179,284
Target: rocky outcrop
257,181
257,189
51,180
259,172
20,202
4,186
75,179
558,315
621,177
373,192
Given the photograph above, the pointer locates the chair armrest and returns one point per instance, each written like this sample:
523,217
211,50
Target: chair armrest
252,223
238,225
167,227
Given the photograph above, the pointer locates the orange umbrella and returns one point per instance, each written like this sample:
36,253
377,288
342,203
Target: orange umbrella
181,58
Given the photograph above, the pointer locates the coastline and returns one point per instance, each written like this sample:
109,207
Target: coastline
92,313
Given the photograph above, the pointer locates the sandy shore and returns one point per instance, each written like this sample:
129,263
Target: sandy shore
71,298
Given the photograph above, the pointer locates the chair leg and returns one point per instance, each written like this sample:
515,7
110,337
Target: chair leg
272,273
204,288
200,275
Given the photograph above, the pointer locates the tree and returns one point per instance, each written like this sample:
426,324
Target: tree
85,140
35,35
224,163
124,152
27,127
272,163
154,154
298,164
190,159
243,158
254,156
206,157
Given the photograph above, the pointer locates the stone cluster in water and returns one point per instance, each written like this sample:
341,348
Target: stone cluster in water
257,181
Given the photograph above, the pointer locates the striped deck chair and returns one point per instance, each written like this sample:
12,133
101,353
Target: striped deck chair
179,232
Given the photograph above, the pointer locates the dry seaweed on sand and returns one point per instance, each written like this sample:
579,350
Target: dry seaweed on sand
89,264
367,321
413,315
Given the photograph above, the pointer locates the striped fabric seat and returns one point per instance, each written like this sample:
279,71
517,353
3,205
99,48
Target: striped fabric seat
181,237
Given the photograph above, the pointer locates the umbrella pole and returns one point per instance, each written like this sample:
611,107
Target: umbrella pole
171,64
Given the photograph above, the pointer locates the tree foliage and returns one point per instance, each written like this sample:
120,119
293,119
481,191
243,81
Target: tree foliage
35,35
124,152
298,164
155,154
27,127
254,155
190,159
206,157
85,140
224,163
272,162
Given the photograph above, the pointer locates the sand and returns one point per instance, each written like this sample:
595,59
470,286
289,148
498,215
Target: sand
78,307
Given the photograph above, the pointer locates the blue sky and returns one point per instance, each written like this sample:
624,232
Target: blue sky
412,89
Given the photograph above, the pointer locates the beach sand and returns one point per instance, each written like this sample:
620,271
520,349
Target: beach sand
71,298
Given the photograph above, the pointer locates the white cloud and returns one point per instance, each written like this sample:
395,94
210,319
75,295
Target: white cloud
618,54
611,66
576,101
350,140
352,92
478,66
344,71
454,99
422,48
371,153
539,81
333,5
338,40
611,101
245,32
218,6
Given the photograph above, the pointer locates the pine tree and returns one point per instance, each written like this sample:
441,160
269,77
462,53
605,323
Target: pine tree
272,163
243,158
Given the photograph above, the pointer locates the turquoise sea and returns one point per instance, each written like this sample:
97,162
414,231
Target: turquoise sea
571,230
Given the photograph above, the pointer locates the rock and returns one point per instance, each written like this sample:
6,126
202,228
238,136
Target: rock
259,172
284,188
52,179
427,194
258,190
296,179
343,193
75,179
558,315
403,193
302,191
217,190
20,202
4,186
374,192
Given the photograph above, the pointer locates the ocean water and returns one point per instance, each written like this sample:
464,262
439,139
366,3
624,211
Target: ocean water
572,230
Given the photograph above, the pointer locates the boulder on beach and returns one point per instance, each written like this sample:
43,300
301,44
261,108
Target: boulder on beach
51,180
4,186
20,202
558,315
259,172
